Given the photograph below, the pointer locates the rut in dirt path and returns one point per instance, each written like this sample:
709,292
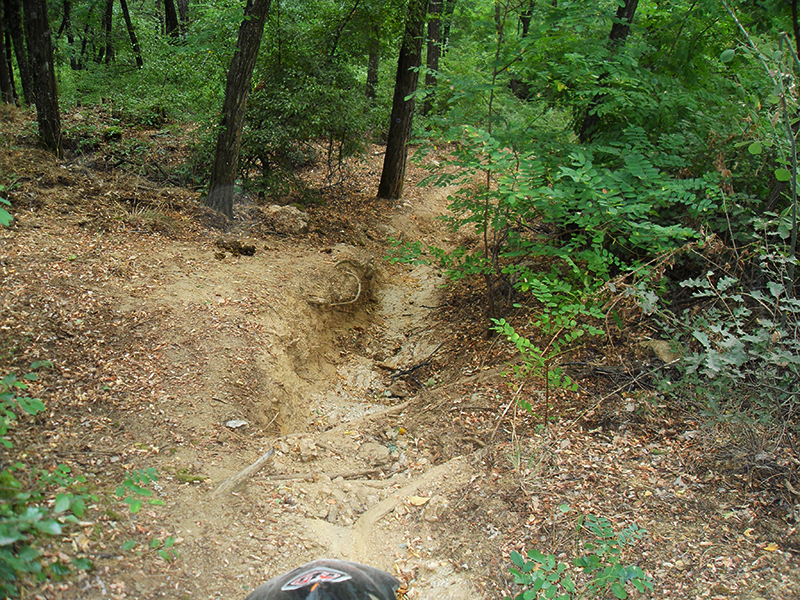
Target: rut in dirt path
332,377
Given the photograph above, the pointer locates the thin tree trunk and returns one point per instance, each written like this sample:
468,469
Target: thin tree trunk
37,30
525,19
340,29
520,88
622,25
619,33
10,64
107,50
394,162
66,27
13,17
448,7
183,14
131,33
434,51
373,51
229,140
6,88
171,18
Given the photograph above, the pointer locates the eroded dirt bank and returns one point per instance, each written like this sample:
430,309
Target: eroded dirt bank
395,435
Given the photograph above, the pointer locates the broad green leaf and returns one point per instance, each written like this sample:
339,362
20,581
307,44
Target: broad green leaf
727,55
62,503
618,590
82,564
755,148
166,555
50,526
783,175
129,545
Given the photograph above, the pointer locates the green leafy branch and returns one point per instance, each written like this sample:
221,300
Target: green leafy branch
564,333
28,510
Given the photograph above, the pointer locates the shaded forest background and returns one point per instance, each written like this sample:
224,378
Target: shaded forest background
607,155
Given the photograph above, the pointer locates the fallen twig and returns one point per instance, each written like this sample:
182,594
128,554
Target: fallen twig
312,476
232,482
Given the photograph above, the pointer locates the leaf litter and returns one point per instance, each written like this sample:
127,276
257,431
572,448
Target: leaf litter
157,345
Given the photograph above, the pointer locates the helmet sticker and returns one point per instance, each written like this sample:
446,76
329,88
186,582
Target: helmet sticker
315,575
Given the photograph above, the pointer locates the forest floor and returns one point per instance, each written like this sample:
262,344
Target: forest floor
397,438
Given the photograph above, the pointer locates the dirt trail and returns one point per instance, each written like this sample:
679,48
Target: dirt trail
294,349
169,355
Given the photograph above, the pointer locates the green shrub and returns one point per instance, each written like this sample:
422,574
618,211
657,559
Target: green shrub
599,564
25,510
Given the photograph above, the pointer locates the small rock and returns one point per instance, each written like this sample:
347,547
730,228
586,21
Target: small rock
236,423
288,220
399,389
434,508
374,454
664,350
308,450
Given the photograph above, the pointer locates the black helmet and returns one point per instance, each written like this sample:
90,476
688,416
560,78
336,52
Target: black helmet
329,579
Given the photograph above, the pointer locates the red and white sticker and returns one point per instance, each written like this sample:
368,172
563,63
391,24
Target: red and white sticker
315,575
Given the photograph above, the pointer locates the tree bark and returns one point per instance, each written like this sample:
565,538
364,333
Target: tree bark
183,14
229,140
66,26
619,33
37,30
10,64
13,16
131,33
525,19
622,24
107,50
171,18
373,52
434,52
6,88
394,162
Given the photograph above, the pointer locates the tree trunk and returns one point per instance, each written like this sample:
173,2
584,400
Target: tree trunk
10,64
373,51
66,27
434,51
622,24
229,140
448,7
619,33
13,17
394,162
525,19
183,14
37,30
6,88
131,33
107,50
171,18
